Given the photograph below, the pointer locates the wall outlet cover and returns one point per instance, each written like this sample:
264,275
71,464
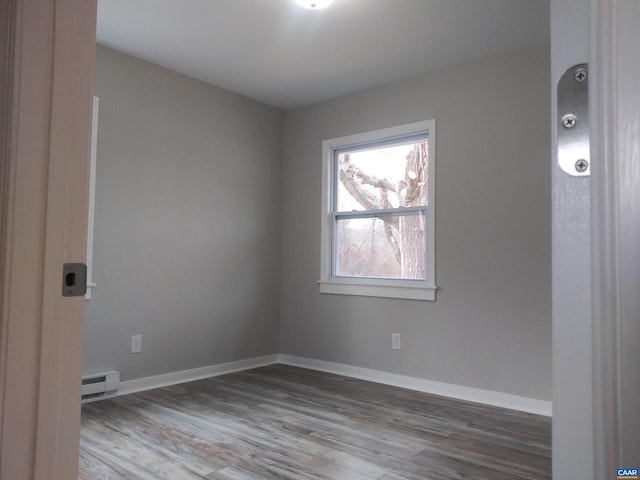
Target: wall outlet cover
136,343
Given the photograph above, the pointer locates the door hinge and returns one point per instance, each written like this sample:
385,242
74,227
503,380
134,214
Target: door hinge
573,121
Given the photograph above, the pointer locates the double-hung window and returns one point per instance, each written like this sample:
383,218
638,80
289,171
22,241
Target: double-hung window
378,213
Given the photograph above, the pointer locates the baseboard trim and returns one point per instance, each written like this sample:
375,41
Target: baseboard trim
487,397
183,376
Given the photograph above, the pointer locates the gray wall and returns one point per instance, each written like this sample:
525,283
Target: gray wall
187,236
199,191
490,327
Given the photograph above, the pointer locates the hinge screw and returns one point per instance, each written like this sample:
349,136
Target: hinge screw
569,120
580,75
582,165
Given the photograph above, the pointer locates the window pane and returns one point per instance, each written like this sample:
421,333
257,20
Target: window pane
390,246
382,177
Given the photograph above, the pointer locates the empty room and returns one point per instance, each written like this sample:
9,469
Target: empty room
320,241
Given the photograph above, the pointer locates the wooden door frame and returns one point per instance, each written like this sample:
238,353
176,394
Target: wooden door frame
572,432
596,264
46,58
615,115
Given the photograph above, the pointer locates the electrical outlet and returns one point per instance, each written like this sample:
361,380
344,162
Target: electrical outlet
136,343
396,341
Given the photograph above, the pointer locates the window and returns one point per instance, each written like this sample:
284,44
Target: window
378,218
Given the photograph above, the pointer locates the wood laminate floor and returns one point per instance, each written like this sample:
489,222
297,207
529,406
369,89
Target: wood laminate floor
282,422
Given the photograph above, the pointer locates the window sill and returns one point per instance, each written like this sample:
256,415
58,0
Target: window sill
379,289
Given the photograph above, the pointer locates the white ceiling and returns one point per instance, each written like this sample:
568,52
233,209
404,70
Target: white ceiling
282,54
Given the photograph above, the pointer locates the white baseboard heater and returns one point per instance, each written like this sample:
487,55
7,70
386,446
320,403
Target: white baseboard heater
99,386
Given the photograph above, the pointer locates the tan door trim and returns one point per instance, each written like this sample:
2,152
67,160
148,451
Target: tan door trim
46,55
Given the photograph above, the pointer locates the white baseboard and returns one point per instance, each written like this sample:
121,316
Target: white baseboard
487,397
174,378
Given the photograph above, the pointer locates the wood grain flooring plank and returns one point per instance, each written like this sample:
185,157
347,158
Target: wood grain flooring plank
469,466
282,422
498,453
90,468
170,444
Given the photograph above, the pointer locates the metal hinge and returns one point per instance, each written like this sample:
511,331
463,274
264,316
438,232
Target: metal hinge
573,121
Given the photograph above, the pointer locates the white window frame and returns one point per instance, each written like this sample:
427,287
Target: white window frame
376,287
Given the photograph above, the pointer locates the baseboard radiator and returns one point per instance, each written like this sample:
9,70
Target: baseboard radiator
99,386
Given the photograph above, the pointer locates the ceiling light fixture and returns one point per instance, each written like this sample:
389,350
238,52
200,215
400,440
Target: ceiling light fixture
314,4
